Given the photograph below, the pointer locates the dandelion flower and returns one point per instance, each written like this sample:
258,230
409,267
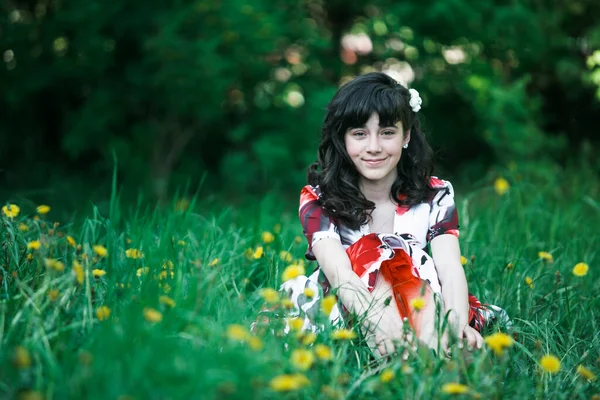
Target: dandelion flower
286,256
258,253
53,294
23,227
11,210
302,359
308,292
455,388
586,373
270,295
71,242
100,250
287,303
152,315
343,334
501,186
323,352
545,256
21,358
308,338
288,382
97,273
167,301
463,260
34,245
529,282
387,375
237,332
43,209
580,269
297,240
296,323
328,303
133,253
78,271
54,264
292,272
550,363
510,266
213,262
267,237
142,271
255,343
417,303
498,342
102,313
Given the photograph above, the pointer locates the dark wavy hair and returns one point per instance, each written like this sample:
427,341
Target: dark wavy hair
334,172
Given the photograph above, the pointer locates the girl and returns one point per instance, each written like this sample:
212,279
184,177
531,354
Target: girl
371,210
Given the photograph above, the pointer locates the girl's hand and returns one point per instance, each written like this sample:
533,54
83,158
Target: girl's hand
472,337
386,332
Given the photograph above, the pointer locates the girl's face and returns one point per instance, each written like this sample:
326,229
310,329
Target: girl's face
376,150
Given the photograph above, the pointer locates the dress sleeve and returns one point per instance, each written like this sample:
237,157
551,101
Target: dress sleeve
315,223
443,218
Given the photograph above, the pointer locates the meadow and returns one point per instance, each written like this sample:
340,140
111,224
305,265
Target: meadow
140,303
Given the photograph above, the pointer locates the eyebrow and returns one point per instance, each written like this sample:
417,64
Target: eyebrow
380,127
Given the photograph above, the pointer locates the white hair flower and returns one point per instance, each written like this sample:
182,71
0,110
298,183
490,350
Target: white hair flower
415,100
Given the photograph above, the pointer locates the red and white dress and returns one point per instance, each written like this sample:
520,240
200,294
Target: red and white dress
401,257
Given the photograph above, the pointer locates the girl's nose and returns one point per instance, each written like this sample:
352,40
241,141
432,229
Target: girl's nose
373,145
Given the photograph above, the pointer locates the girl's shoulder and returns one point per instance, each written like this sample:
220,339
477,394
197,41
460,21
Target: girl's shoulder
309,194
439,188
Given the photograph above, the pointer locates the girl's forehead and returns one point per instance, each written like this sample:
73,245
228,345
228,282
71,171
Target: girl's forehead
374,120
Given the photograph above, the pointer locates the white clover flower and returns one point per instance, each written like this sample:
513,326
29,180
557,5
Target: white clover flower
415,100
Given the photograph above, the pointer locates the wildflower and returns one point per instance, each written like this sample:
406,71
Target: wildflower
43,209
292,272
181,243
21,357
302,359
323,352
501,186
213,262
152,315
417,303
237,332
270,295
133,253
258,253
580,269
308,292
162,275
11,210
54,264
328,303
463,260
298,240
78,271
23,227
387,375
166,288
498,342
455,388
286,256
166,300
71,241
550,363
510,266
142,271
343,334
33,245
267,237
296,323
529,282
288,382
30,395
586,373
545,256
255,343
53,294
287,303
100,250
97,273
308,338
102,313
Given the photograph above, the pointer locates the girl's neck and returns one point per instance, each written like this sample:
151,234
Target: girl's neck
377,191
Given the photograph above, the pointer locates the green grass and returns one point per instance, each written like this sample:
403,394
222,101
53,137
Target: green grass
58,348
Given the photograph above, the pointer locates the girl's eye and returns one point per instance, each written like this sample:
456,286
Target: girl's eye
388,133
358,133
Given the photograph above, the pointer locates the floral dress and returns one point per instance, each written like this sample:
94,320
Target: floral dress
401,257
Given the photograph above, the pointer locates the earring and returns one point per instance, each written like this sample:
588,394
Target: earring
405,146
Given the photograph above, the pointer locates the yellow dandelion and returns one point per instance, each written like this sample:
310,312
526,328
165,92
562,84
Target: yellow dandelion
78,272
292,272
182,243
550,363
53,294
302,359
100,250
580,269
53,264
308,292
167,301
501,186
270,295
287,303
166,288
455,388
510,266
285,256
296,323
529,282
11,210
33,245
142,271
343,334
463,260
586,373
328,303
152,315
498,341
102,313
258,253
323,352
133,253
21,358
98,273
71,241
43,209
308,338
545,256
237,332
213,262
417,303
288,382
297,240
387,375
23,227
255,343
267,237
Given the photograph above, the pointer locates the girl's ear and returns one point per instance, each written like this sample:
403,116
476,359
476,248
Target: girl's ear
406,137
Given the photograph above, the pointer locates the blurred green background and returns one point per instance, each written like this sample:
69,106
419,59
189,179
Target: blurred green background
226,98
